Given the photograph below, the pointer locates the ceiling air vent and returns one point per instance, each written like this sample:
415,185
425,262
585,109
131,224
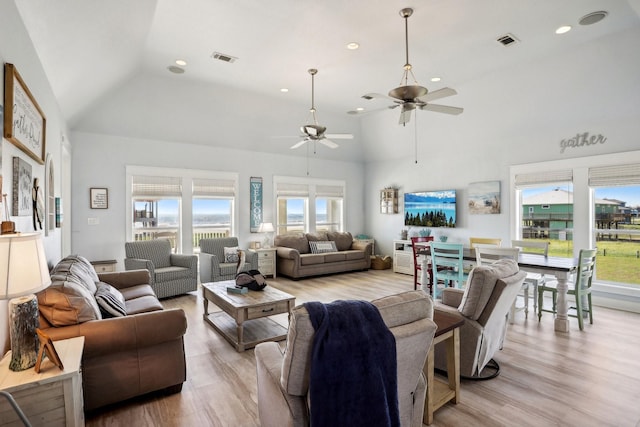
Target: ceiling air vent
223,57
507,39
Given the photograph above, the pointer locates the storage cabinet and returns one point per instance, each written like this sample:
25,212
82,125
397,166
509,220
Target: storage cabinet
105,266
402,257
389,201
266,261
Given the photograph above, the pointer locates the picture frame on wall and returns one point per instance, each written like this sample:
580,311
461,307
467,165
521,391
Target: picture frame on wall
484,198
25,124
98,198
22,188
255,205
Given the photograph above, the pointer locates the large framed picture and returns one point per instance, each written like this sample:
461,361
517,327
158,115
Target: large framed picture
25,124
484,198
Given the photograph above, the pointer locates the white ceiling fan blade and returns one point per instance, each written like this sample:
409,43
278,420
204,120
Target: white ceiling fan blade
437,94
370,96
329,143
299,144
339,135
442,109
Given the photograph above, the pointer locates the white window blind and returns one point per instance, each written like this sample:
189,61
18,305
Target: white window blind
205,187
285,189
156,186
609,176
541,178
329,191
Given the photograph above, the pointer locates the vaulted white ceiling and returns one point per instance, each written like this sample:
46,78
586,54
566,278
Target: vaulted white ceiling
107,62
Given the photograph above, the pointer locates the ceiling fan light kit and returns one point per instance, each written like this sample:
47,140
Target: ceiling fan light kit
413,96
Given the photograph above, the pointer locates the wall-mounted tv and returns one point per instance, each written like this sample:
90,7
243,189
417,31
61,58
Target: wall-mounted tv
430,208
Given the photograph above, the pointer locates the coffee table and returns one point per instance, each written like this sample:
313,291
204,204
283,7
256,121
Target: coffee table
244,319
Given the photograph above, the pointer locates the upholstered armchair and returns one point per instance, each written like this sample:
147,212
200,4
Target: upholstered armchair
171,274
215,266
485,304
284,375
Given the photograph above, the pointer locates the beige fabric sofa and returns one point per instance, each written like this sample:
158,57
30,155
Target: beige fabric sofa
485,304
123,357
283,377
296,260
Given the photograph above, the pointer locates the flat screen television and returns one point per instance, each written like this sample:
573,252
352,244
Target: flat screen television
430,209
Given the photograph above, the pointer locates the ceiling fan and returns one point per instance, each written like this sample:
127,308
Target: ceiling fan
314,132
410,97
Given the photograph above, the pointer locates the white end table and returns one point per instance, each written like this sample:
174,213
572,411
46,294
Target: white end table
266,261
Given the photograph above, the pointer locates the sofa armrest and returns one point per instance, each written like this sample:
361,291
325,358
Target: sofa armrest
287,253
363,246
452,296
126,279
209,267
117,334
275,406
184,260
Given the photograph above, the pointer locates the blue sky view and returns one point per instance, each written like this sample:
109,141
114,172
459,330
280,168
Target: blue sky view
630,194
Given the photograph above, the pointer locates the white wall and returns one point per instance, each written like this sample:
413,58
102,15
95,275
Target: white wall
16,48
100,161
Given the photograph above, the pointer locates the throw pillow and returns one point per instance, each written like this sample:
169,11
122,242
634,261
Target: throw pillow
343,239
110,300
67,303
320,247
231,254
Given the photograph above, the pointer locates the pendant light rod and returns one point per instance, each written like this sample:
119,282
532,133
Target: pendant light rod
406,13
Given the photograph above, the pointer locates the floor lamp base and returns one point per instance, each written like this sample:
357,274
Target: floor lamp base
23,321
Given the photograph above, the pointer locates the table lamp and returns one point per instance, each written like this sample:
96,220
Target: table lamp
266,227
23,271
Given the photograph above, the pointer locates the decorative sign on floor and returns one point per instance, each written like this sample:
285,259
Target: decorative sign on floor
580,140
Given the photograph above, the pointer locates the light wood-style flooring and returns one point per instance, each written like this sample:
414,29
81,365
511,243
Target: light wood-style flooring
548,378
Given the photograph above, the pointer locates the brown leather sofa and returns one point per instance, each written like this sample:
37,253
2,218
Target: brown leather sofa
124,357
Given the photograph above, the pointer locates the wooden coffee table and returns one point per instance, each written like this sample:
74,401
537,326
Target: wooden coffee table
244,319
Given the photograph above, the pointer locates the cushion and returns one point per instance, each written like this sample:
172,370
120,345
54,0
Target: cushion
77,269
321,247
296,241
482,280
110,300
67,303
343,240
318,236
231,254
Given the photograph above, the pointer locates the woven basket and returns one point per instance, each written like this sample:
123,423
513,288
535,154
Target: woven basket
380,263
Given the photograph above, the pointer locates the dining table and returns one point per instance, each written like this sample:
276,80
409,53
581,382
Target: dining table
559,267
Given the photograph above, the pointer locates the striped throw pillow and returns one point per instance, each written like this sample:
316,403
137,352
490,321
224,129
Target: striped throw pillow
110,301
321,247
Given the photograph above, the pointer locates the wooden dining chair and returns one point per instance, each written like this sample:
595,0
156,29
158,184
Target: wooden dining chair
417,262
447,265
486,241
581,288
533,280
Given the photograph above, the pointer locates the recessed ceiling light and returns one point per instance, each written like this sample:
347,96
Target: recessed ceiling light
435,79
284,90
352,46
175,69
563,29
360,109
593,17
181,62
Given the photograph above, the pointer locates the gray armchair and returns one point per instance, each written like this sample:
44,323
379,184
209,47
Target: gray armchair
284,375
485,305
213,267
171,274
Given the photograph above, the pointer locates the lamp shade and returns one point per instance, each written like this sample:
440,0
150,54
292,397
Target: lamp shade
23,265
266,227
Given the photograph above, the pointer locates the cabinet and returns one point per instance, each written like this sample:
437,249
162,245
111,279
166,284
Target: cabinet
389,201
52,397
266,261
106,266
402,257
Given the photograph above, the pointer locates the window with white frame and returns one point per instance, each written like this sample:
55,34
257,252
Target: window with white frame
308,205
182,205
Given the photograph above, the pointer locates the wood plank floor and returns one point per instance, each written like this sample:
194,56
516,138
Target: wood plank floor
588,378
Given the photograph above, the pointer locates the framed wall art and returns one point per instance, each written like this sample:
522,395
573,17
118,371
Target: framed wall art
24,122
99,198
255,206
484,198
22,188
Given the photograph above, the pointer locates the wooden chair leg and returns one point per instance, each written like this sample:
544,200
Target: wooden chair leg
590,309
579,312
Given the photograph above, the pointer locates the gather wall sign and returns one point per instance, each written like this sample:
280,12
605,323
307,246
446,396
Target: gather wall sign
581,140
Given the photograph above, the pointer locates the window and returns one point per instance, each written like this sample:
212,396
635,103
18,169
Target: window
616,225
306,205
545,207
182,205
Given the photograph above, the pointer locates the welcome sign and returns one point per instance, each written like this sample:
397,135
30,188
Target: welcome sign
255,197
